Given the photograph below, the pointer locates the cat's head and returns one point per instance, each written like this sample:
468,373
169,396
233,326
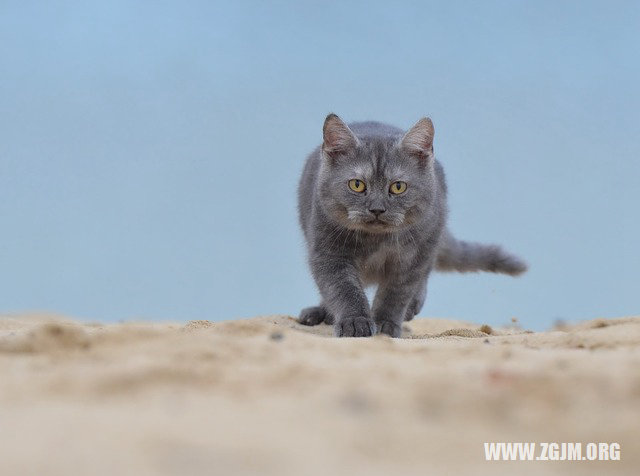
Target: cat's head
376,183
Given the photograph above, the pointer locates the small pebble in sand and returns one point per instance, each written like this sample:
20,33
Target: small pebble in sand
277,336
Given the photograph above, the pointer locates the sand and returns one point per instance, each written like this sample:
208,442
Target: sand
268,396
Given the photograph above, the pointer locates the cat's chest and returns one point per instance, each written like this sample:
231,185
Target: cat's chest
379,262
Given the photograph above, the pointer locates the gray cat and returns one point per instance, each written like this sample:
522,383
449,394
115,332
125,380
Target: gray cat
373,208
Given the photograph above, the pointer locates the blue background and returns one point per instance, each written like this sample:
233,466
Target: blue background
150,151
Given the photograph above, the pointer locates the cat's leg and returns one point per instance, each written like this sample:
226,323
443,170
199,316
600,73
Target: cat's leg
395,299
312,316
416,303
343,296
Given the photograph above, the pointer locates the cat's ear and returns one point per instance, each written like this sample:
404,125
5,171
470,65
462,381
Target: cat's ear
337,137
418,141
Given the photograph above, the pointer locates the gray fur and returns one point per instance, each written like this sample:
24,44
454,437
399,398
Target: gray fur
350,247
464,257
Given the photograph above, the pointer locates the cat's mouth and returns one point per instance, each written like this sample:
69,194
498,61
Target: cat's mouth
377,224
359,221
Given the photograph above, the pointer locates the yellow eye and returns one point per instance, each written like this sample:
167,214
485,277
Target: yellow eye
357,185
398,187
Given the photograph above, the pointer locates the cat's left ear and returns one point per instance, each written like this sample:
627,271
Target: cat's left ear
337,137
418,141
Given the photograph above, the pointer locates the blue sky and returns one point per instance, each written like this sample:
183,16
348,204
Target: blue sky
150,151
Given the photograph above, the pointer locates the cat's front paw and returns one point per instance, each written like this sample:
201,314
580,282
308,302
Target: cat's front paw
312,316
355,327
390,328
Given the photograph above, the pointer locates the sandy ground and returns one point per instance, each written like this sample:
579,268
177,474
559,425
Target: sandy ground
268,396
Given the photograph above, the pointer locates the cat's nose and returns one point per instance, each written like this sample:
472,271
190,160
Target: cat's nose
377,211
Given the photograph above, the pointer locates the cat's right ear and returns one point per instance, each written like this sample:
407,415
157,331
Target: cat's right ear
337,137
418,141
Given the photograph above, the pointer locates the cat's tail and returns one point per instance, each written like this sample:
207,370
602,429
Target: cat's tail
465,257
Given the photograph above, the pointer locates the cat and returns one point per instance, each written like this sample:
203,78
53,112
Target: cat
372,204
